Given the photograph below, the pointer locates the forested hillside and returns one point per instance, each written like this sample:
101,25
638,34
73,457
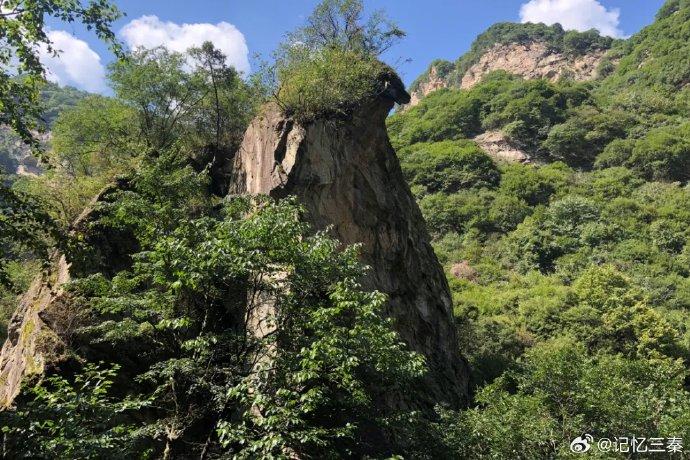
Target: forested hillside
572,43
219,265
54,100
571,275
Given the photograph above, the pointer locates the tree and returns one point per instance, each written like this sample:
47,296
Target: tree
24,227
664,154
23,32
194,97
179,317
341,24
229,104
156,83
95,136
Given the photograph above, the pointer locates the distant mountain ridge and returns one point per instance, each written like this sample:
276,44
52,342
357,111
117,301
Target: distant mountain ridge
527,50
15,157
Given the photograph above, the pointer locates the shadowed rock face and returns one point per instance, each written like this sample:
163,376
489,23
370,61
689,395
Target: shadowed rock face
530,61
38,333
348,177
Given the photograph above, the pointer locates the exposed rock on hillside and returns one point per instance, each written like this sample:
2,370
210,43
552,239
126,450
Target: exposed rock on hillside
527,50
348,177
498,147
433,81
40,327
528,60
532,61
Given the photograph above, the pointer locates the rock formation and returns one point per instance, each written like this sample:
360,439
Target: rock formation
30,342
499,147
39,330
530,61
347,176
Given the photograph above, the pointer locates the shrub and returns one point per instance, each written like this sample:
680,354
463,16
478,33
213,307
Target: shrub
507,212
329,66
585,134
563,392
95,136
458,212
76,418
327,83
664,154
534,185
448,166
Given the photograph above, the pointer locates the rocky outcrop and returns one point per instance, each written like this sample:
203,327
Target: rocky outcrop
498,146
431,82
41,326
528,60
532,61
347,176
15,155
30,342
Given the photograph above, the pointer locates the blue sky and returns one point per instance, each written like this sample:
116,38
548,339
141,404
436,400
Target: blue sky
243,28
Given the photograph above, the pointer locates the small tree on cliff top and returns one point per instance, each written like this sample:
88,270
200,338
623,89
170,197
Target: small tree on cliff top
331,63
341,24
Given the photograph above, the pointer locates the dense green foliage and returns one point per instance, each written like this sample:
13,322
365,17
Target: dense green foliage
569,276
23,32
26,230
178,316
239,331
330,66
327,84
524,110
206,107
71,419
94,136
446,167
654,70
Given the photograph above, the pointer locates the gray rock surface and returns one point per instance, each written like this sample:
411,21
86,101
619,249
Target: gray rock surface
349,179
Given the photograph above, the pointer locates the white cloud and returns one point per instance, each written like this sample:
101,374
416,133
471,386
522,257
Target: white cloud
573,14
76,64
150,32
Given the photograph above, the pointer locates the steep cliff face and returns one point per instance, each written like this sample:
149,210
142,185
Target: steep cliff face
348,177
528,60
532,61
40,328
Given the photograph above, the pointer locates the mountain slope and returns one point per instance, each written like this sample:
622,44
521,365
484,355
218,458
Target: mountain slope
654,69
528,50
14,155
570,275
